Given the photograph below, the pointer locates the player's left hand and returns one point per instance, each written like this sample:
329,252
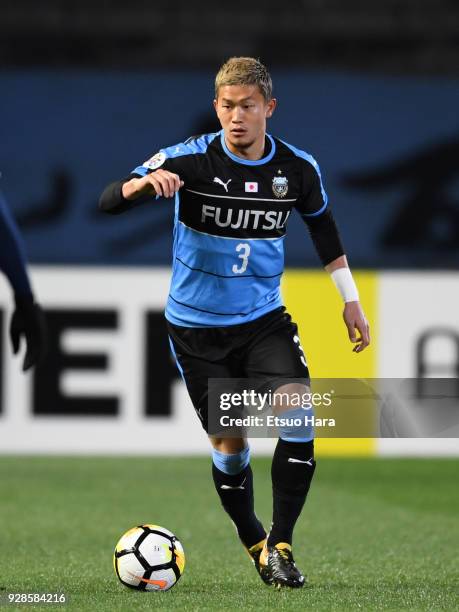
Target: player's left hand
355,320
28,321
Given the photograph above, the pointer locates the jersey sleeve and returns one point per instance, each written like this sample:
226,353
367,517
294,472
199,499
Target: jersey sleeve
183,158
312,204
313,200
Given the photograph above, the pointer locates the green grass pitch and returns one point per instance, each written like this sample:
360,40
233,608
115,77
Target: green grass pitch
375,534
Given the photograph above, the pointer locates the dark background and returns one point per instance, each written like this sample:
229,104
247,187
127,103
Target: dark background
88,90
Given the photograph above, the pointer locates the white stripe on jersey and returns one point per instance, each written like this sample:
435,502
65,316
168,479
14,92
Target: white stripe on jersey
211,195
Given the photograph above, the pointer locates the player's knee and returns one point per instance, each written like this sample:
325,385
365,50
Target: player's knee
228,445
231,463
283,394
296,425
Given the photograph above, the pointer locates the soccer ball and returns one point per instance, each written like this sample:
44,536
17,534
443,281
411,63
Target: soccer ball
149,558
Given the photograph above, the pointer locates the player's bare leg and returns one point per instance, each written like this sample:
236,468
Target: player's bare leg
233,481
292,471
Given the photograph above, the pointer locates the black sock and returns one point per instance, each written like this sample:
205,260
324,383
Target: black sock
291,472
238,503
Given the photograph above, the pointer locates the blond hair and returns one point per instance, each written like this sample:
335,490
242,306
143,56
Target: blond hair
245,71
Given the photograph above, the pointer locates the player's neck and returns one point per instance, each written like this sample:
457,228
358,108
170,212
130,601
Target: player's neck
252,152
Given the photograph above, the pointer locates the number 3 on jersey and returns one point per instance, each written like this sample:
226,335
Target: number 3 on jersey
245,248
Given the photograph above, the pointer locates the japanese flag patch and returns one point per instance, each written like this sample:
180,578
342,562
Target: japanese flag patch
251,187
156,161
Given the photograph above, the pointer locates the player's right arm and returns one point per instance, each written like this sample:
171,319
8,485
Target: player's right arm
162,175
158,183
132,191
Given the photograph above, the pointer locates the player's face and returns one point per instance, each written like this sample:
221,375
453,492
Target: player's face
242,111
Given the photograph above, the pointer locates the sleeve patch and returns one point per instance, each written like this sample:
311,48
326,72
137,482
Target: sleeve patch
156,161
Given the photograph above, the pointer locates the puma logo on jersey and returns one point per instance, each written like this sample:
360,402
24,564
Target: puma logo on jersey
252,219
220,182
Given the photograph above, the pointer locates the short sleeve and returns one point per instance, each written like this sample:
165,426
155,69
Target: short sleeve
182,158
313,200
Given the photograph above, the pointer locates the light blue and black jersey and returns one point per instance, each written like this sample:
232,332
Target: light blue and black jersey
230,222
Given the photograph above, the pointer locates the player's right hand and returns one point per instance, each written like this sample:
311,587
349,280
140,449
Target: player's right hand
160,182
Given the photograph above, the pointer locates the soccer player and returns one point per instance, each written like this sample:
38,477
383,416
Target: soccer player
234,191
27,320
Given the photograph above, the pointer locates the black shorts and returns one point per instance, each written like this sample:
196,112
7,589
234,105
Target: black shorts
267,348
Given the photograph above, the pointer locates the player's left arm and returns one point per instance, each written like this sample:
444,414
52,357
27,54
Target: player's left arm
316,213
353,314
